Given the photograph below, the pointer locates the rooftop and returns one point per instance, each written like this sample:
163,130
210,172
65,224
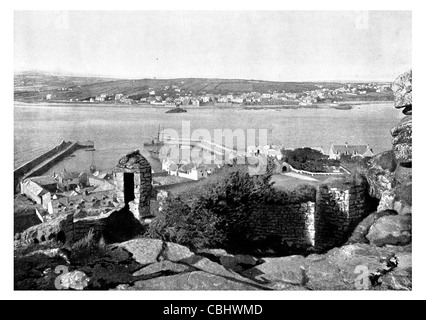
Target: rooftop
43,180
350,149
133,161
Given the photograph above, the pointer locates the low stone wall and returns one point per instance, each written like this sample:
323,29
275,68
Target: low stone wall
293,223
337,213
115,226
321,225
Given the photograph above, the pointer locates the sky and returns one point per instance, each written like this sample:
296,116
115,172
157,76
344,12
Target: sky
262,45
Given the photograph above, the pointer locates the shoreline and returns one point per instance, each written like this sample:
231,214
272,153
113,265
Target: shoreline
346,105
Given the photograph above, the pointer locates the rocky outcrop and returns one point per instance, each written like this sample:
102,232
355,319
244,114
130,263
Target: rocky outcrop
148,251
342,268
114,267
280,273
402,88
360,233
197,280
380,173
391,230
389,173
238,262
402,141
164,266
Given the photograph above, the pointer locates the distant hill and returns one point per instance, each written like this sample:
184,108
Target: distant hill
34,86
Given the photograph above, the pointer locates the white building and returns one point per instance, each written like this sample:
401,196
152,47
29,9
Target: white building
336,151
191,171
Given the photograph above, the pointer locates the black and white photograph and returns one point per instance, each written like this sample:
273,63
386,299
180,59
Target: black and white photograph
212,150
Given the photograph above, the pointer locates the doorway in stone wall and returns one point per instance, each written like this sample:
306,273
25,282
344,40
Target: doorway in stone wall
129,187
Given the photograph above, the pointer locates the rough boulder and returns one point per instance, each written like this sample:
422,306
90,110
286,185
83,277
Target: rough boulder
391,230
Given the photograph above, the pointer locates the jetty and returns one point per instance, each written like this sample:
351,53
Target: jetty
44,162
216,149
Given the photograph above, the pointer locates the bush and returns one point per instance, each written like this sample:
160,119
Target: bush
218,214
88,248
308,159
180,223
356,178
215,216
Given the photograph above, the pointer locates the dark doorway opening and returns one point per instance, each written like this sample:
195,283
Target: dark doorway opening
284,169
129,188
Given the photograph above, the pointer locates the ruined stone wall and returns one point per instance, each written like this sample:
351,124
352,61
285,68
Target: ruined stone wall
337,213
142,191
115,226
322,224
293,223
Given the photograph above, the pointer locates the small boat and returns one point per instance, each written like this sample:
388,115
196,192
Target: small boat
156,144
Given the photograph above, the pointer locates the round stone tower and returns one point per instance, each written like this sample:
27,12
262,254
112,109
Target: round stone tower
133,179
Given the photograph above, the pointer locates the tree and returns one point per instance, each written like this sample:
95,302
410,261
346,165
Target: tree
308,159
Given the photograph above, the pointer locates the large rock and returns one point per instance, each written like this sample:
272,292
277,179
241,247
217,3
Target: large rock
361,231
391,230
238,263
197,280
280,273
380,173
146,251
387,200
164,266
402,140
338,269
402,88
203,264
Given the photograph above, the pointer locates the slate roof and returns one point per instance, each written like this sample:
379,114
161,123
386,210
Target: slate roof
351,149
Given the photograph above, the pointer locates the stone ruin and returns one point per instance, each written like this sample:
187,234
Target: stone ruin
133,180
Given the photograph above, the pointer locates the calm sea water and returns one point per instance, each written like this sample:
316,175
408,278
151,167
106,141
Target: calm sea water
117,130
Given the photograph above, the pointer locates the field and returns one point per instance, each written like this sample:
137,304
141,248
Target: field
32,87
288,182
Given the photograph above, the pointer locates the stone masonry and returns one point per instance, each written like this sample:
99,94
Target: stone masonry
320,225
337,213
133,180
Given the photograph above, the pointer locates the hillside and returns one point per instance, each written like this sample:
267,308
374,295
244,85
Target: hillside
33,86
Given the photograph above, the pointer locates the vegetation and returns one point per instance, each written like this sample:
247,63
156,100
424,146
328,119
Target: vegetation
308,159
218,214
356,178
354,162
88,247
